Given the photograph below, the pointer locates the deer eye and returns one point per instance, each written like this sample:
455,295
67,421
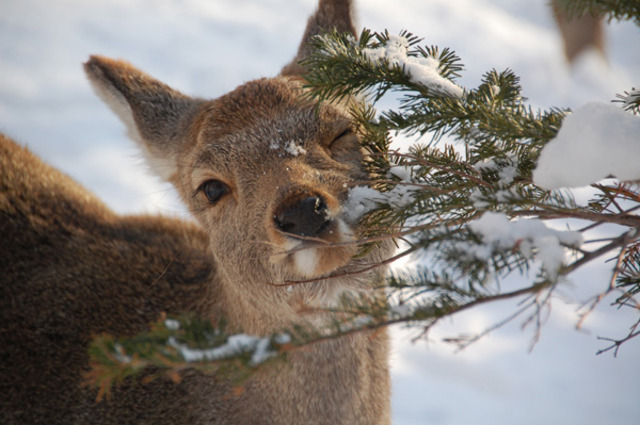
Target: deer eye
214,190
345,147
339,137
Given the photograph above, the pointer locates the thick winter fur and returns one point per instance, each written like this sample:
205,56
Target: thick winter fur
72,269
579,34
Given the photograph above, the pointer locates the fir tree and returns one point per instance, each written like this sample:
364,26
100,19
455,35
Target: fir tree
468,177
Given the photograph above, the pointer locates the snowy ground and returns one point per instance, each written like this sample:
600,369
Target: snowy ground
205,48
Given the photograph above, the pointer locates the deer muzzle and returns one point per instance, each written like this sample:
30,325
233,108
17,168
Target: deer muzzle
302,216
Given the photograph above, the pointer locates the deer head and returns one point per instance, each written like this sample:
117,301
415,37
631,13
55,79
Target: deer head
263,169
266,171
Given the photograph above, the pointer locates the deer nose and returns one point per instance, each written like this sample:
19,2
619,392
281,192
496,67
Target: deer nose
304,217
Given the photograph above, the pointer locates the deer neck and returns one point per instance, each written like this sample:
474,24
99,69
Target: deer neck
270,303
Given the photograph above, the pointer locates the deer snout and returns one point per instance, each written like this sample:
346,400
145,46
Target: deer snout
304,216
313,239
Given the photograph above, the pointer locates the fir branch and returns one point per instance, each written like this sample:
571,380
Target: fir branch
502,138
617,343
173,345
360,67
630,101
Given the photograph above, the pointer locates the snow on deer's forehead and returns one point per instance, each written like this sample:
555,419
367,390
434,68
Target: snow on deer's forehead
291,147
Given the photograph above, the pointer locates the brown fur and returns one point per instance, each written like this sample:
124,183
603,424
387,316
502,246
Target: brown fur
579,34
71,268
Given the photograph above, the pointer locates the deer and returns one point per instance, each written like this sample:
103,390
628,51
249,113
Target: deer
579,34
265,171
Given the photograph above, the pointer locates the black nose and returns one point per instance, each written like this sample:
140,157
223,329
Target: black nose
302,217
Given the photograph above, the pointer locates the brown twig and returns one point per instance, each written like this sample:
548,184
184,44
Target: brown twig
616,343
622,240
549,212
611,288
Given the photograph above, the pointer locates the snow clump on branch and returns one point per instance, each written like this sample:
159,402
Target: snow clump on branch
421,70
596,141
529,236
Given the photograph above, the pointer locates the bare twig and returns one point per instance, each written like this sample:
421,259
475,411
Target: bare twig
616,343
611,288
622,240
549,212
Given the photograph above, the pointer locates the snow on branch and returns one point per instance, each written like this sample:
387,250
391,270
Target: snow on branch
380,60
630,101
596,141
176,343
421,69
497,232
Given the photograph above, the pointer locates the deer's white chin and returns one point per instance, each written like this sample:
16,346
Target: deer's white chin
306,262
308,259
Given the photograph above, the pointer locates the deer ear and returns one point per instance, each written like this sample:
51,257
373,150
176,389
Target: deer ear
331,14
156,116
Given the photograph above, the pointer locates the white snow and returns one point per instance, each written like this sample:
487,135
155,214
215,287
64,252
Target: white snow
400,310
236,344
294,149
507,171
403,172
291,147
361,200
529,236
364,199
120,354
421,70
596,141
172,324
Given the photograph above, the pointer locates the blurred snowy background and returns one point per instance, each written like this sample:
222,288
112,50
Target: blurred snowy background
207,47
